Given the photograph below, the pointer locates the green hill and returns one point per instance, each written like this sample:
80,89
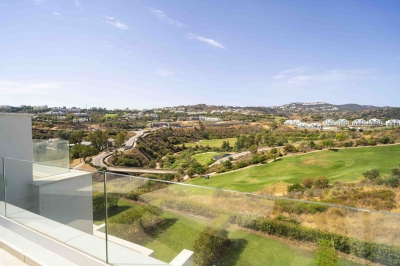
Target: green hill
341,165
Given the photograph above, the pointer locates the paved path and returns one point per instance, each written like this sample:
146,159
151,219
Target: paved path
98,160
133,170
131,143
240,154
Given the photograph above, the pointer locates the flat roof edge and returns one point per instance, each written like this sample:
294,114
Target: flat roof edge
16,114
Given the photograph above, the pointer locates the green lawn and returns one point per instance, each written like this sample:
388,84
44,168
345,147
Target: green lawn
341,165
178,232
110,115
205,158
212,142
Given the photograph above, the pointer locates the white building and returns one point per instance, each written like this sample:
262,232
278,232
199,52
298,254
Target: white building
209,119
292,122
7,107
375,122
342,122
55,113
81,114
314,125
393,123
302,125
359,122
329,123
40,108
81,120
75,110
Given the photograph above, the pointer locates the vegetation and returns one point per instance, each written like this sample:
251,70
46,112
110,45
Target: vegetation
341,165
326,254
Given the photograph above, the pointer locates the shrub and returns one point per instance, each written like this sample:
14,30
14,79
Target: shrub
326,254
392,181
98,202
321,182
307,182
371,174
298,207
212,242
295,188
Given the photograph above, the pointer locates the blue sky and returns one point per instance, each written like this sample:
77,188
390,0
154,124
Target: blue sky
144,54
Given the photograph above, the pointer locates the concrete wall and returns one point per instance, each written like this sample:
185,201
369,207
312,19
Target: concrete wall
68,200
16,143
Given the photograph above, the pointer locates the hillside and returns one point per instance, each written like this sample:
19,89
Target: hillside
344,165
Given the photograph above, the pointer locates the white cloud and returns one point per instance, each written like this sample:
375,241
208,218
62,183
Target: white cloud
162,16
206,40
284,73
78,4
56,14
39,2
164,72
107,44
18,88
167,74
110,20
297,80
296,77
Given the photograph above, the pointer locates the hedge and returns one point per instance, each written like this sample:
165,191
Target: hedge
380,253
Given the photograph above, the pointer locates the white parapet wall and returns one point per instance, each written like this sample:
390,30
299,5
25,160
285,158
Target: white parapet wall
16,143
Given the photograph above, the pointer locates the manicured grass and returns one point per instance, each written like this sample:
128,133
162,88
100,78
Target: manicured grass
178,232
212,142
205,158
341,165
110,115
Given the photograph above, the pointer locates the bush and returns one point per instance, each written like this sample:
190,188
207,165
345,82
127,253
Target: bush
295,188
212,242
326,254
371,174
98,202
307,182
321,182
298,207
392,181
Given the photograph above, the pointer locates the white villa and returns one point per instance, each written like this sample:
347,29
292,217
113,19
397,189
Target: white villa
302,125
393,123
374,122
329,123
359,122
209,119
342,122
292,122
314,125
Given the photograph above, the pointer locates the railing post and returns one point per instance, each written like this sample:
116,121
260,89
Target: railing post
106,214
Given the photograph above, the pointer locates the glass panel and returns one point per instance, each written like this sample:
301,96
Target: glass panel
50,157
62,207
2,189
225,227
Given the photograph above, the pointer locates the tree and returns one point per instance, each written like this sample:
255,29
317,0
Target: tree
307,182
99,139
227,164
321,182
253,149
328,143
120,138
371,174
340,137
326,254
289,148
